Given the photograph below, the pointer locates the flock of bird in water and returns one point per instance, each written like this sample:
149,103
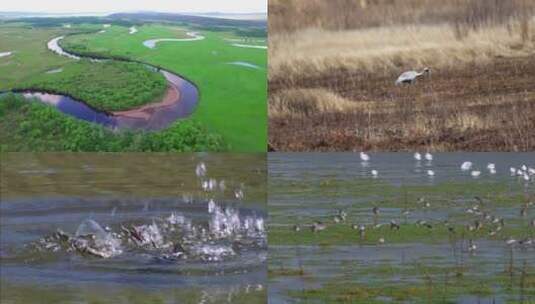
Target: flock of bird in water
525,172
482,219
224,233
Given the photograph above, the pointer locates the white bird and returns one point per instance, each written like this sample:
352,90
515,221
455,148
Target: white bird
428,156
524,168
526,177
364,157
410,76
375,173
417,156
512,170
492,171
466,166
475,173
491,166
430,173
472,246
531,171
510,241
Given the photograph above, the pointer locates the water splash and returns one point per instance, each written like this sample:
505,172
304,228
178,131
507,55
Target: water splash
220,233
221,236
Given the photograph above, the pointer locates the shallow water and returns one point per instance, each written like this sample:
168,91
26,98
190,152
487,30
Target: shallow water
155,118
53,45
250,46
152,42
245,64
305,187
54,71
223,244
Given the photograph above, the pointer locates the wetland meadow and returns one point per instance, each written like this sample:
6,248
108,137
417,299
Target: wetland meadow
401,228
134,82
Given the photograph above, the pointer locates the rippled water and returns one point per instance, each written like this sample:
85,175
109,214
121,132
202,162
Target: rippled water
159,226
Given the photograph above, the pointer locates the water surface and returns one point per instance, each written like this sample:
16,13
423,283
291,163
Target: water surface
167,198
152,42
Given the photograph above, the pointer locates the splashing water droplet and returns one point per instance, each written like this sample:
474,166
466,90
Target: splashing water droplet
200,170
239,194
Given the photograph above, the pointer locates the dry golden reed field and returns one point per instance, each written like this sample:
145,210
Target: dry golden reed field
333,64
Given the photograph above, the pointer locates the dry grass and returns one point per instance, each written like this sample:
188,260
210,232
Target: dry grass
307,102
392,48
331,83
293,15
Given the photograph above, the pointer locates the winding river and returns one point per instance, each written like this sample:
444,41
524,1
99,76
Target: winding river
178,102
152,42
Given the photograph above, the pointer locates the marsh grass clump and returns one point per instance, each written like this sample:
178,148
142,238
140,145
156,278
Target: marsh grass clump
307,102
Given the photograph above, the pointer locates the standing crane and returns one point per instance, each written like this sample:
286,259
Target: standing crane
409,77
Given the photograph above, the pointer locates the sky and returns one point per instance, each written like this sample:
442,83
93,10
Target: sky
110,6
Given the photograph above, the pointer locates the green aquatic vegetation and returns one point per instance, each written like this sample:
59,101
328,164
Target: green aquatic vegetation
108,86
434,290
419,282
286,272
344,234
34,126
95,293
369,192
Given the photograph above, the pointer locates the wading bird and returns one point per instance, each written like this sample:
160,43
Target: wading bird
394,225
475,173
410,76
472,247
364,157
362,231
318,226
466,166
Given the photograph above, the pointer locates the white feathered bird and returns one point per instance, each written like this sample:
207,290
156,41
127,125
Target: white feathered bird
410,76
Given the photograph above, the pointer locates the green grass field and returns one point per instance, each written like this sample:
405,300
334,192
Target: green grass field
110,86
233,98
